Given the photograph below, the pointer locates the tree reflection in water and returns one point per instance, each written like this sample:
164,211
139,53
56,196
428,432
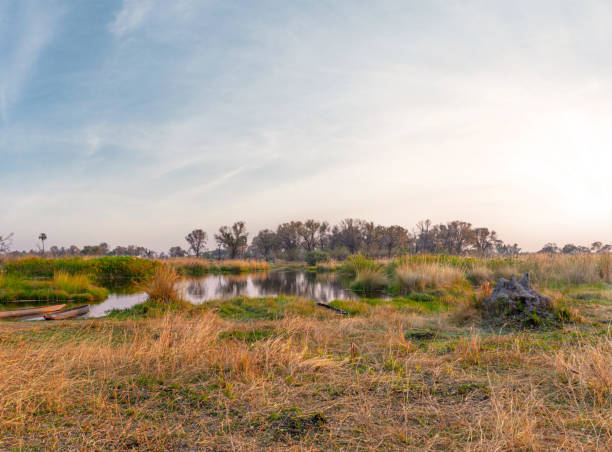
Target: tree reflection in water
318,287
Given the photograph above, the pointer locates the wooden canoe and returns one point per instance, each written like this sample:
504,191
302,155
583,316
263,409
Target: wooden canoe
30,312
68,313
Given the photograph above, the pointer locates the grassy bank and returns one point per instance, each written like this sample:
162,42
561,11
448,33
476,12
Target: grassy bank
189,266
423,370
61,287
281,374
408,274
101,269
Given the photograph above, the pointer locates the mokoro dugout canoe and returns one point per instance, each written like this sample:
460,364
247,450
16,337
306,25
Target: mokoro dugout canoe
68,313
30,312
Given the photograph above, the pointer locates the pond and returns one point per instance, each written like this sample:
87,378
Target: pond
323,287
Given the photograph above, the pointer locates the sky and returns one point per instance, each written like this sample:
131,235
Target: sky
137,121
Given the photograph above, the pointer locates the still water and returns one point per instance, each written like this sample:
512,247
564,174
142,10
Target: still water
323,287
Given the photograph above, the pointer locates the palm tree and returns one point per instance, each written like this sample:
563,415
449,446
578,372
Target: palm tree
42,237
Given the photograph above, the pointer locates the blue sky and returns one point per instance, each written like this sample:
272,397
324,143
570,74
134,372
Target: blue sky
137,121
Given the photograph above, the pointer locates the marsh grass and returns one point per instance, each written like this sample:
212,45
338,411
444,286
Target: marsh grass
100,269
413,372
568,269
418,277
382,379
359,263
63,287
191,266
71,283
369,281
162,285
480,274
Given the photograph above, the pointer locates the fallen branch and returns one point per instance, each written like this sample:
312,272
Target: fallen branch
325,305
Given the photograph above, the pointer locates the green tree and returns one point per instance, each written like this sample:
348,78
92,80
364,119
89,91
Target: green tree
233,239
42,237
5,243
197,241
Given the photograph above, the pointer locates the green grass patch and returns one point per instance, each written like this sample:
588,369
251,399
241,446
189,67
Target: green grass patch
268,308
250,336
100,269
407,304
63,287
153,308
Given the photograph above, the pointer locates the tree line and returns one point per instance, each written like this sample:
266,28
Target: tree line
315,241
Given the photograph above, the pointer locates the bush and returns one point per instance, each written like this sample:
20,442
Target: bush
358,263
162,285
369,281
315,257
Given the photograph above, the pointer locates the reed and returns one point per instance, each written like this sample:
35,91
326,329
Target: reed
479,274
99,268
162,286
191,266
71,283
412,277
63,287
370,281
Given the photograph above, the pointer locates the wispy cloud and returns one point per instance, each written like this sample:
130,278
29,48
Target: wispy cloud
188,112
34,27
131,16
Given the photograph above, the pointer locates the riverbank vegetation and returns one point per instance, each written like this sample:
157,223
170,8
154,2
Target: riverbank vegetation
317,242
61,287
189,266
102,269
417,365
274,374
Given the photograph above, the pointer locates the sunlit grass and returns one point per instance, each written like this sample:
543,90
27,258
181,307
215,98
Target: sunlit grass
191,266
288,381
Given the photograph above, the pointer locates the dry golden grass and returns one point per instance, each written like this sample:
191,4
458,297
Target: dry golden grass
578,269
480,274
385,381
418,277
162,285
197,267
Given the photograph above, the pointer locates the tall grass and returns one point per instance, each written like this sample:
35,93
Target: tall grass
588,373
388,381
162,286
578,269
191,266
418,277
62,287
359,263
71,283
100,268
369,281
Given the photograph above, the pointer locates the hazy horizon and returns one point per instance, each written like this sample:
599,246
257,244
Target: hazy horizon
134,122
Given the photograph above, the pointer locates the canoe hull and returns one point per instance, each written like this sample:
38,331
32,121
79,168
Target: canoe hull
68,313
31,312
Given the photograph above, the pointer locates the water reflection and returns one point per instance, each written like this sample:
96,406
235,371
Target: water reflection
323,287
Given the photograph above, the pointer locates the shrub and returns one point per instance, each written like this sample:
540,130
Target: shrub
162,285
357,263
369,280
315,257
